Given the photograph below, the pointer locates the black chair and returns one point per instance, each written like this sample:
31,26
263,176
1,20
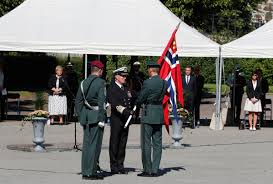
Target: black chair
15,96
268,109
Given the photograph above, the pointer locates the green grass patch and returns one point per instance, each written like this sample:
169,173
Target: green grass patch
211,88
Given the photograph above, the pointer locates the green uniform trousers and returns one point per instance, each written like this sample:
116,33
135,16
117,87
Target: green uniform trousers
151,137
92,140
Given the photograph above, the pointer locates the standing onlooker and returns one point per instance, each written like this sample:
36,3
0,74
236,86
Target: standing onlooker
265,89
236,82
253,102
135,80
3,90
57,101
72,81
189,92
200,80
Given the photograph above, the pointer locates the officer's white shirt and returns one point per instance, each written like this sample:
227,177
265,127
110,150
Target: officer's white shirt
119,85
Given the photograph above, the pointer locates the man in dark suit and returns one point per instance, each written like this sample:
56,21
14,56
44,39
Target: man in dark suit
135,82
200,80
3,90
189,92
90,106
265,89
72,82
119,97
237,83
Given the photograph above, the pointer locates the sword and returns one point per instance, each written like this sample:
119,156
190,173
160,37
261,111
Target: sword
130,117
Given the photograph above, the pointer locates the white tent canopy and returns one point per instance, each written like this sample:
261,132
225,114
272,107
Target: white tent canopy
257,44
114,27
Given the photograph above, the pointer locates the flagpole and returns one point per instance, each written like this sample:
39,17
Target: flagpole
85,66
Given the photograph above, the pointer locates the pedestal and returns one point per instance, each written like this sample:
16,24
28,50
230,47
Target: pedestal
177,132
38,132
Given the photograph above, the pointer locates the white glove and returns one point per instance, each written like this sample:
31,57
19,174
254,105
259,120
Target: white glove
101,124
120,108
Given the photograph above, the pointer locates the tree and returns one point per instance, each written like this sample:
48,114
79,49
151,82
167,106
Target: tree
8,5
222,19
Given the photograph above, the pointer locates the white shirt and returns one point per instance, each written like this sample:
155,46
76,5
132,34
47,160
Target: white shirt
58,82
254,83
188,78
119,85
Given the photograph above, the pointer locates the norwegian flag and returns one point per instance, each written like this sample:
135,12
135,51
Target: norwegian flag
170,72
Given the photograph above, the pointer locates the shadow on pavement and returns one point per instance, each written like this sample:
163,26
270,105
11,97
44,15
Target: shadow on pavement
229,144
35,170
170,169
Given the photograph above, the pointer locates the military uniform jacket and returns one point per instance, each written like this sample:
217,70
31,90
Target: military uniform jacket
117,96
96,96
152,95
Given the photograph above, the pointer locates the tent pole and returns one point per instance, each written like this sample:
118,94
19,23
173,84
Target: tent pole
217,92
219,120
85,66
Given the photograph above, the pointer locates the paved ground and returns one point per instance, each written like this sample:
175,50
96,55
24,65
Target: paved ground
229,156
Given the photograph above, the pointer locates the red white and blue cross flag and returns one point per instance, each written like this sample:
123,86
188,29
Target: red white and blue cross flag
170,72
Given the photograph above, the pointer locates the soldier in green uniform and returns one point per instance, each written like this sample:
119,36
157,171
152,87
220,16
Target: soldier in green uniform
152,119
90,107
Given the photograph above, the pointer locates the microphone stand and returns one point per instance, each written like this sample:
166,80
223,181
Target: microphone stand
76,146
233,99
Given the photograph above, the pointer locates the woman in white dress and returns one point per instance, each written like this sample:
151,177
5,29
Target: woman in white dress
253,102
57,101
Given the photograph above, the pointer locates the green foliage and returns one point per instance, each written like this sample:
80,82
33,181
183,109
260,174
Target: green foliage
8,5
77,62
207,66
249,65
126,61
217,17
40,100
211,88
